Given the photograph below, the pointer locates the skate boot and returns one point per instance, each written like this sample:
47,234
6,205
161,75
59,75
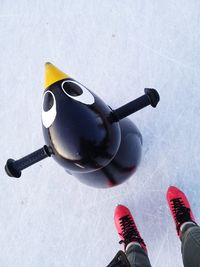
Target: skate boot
127,228
180,208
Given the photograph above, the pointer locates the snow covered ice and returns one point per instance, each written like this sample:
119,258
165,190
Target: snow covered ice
115,48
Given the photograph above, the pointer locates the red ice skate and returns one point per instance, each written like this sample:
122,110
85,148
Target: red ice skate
126,227
180,207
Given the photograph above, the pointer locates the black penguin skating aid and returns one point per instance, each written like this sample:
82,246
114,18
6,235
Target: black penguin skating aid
94,143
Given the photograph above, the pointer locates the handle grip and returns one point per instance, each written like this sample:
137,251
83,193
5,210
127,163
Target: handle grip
14,167
151,97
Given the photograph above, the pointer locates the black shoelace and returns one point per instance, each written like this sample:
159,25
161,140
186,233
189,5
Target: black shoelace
129,231
181,213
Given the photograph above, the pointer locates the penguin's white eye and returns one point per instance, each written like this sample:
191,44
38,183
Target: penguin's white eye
78,92
48,109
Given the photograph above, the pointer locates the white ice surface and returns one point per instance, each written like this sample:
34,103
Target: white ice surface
115,48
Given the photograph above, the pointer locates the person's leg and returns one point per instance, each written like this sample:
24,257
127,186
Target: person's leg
187,229
134,245
137,256
190,238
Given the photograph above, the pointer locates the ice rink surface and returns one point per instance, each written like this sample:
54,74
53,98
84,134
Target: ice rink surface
115,48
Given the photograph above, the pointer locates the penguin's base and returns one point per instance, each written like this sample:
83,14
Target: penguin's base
123,165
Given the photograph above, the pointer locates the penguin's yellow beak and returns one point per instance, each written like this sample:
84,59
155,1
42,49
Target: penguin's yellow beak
52,75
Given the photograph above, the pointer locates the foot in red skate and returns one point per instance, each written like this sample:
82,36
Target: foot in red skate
126,227
179,207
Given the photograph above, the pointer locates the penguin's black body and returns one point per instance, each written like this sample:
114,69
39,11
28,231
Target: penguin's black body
98,145
124,163
83,138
